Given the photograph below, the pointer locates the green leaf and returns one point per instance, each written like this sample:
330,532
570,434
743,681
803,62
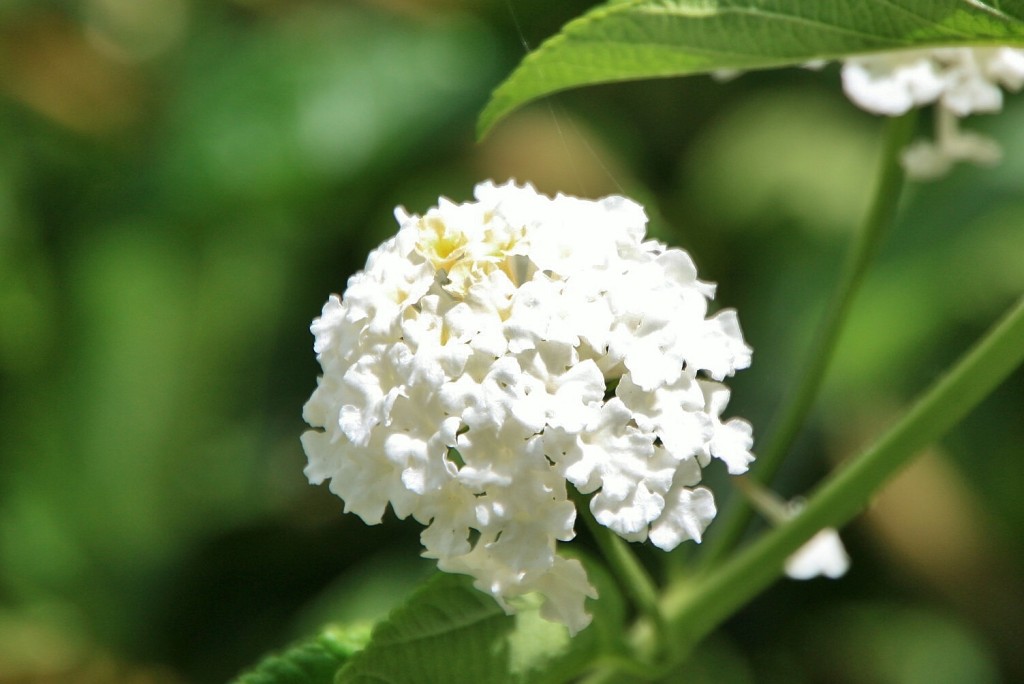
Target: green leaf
316,661
636,39
451,632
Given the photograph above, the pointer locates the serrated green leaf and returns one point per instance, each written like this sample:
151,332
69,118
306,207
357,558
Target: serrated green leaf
315,661
638,39
450,632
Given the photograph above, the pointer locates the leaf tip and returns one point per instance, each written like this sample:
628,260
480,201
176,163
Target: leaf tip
493,112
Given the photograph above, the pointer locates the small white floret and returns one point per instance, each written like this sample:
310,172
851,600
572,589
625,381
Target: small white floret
824,555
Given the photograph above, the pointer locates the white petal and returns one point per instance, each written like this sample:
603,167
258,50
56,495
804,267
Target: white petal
688,512
824,555
565,588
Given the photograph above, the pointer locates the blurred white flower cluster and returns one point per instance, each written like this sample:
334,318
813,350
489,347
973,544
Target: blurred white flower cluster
959,81
492,351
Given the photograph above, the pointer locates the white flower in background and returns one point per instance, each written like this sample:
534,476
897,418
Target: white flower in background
958,81
492,352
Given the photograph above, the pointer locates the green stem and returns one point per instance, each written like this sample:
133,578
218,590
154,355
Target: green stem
630,573
695,609
798,405
763,500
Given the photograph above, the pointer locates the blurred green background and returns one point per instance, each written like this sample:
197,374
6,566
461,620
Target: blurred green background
183,183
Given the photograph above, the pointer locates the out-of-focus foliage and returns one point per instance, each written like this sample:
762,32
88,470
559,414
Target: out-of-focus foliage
183,183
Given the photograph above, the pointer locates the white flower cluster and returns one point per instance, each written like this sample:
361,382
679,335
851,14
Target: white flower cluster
959,81
492,351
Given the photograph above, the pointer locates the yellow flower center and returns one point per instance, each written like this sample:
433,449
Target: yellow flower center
466,256
439,244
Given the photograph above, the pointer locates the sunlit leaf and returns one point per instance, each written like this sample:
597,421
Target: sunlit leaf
451,632
623,41
310,662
